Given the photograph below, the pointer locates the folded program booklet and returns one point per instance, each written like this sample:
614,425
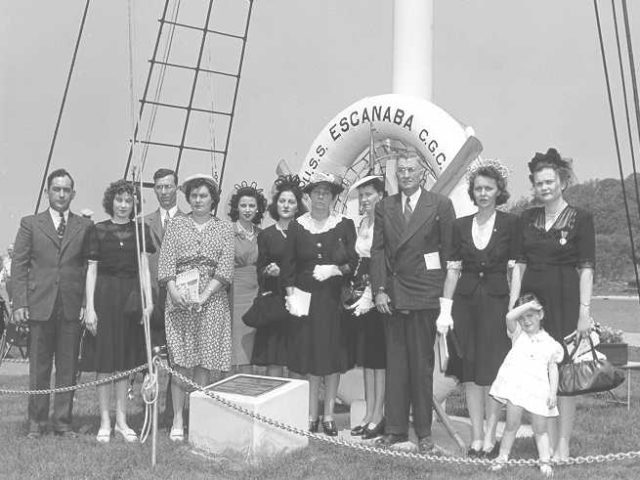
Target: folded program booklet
188,284
300,302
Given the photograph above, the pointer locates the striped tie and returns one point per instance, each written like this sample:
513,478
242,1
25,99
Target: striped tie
408,211
61,226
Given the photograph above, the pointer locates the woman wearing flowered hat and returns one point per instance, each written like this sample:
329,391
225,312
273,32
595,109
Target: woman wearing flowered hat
247,206
476,296
270,346
557,263
320,250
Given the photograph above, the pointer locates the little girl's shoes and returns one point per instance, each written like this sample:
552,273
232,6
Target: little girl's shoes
128,435
546,470
498,464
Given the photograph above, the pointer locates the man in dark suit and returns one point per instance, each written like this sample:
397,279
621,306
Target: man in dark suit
407,256
165,186
48,282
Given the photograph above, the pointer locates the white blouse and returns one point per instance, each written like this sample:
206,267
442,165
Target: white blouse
365,238
482,233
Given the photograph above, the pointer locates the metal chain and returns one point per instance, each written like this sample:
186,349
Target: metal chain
14,360
441,458
117,376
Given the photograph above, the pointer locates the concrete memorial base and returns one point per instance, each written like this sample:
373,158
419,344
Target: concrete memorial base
216,428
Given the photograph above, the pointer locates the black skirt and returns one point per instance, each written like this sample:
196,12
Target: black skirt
119,342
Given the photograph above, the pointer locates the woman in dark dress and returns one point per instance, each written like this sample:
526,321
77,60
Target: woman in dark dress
370,346
113,304
556,264
320,250
482,246
270,346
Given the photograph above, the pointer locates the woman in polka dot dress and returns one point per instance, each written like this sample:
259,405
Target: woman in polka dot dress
198,333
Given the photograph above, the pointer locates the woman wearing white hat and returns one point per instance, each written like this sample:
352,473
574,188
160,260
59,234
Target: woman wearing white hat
369,327
198,329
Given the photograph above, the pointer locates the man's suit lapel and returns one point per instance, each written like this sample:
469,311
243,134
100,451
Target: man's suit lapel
45,224
395,215
419,216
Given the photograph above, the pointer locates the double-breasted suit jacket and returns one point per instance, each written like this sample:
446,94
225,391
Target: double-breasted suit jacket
401,254
408,261
45,266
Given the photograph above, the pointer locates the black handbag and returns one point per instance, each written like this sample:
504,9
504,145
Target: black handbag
267,308
589,376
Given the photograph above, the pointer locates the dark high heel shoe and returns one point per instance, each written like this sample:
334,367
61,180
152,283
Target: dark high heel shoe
358,430
374,432
329,428
313,425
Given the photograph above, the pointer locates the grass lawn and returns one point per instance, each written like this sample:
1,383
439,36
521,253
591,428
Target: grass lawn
601,427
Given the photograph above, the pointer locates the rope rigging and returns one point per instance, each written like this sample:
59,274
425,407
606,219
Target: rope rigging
617,145
632,67
626,105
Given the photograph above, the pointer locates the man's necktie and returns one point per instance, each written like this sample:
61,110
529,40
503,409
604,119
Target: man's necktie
61,226
407,210
166,220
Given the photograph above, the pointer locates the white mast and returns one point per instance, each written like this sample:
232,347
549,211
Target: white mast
413,48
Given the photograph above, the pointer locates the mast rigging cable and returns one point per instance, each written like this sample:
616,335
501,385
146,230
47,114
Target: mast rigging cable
62,104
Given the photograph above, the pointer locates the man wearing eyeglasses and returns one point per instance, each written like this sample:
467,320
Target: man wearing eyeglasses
165,186
410,230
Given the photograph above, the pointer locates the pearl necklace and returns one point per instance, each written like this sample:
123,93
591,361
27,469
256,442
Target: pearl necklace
245,233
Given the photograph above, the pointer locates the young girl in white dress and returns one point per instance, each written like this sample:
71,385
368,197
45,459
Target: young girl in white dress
528,378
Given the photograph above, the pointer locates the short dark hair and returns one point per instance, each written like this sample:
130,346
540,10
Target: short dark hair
199,182
60,172
116,188
165,172
247,191
273,206
492,172
552,159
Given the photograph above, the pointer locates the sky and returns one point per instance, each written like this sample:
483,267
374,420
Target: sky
526,75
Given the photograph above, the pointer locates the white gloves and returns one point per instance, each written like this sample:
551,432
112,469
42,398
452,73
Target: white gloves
445,320
322,272
363,304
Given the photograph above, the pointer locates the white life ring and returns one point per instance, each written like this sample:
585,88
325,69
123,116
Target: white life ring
415,122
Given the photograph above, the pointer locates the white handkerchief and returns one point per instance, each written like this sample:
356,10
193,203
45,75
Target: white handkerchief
300,302
432,261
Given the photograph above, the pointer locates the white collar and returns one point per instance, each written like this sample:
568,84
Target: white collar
415,196
308,223
55,216
172,211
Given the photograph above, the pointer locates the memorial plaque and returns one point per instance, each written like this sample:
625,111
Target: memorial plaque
248,385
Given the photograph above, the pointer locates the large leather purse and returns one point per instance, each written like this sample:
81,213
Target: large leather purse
589,376
267,308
